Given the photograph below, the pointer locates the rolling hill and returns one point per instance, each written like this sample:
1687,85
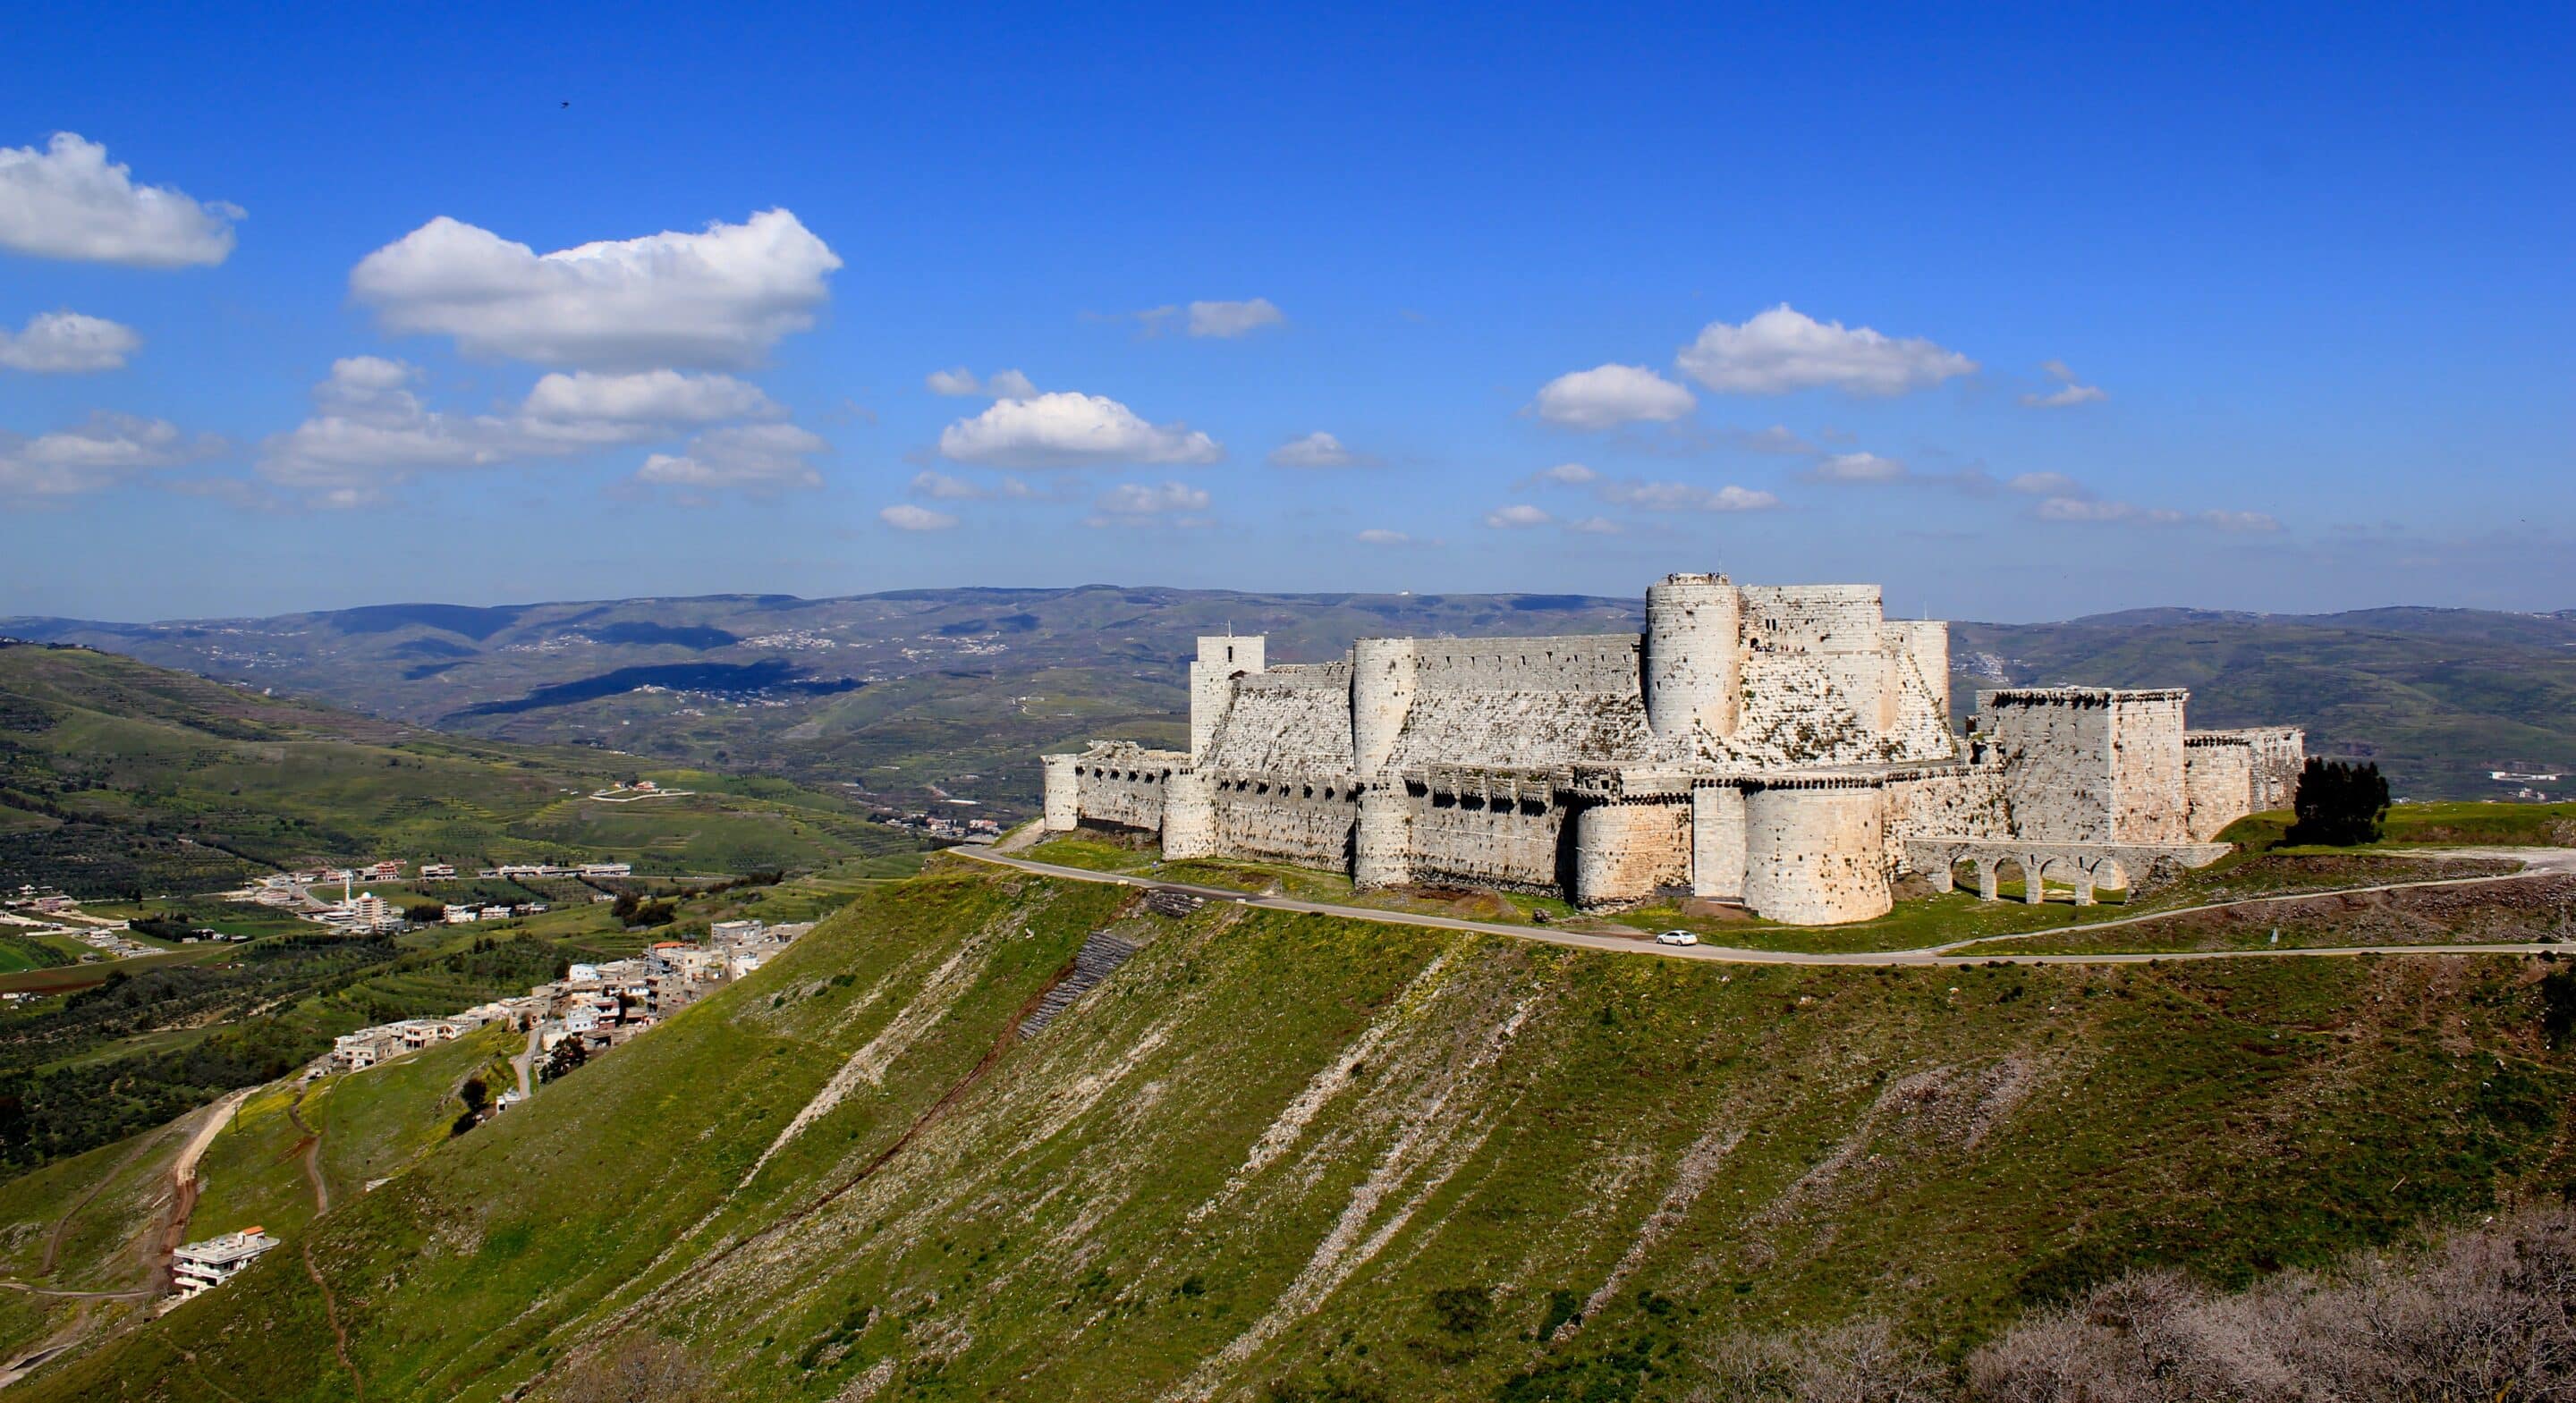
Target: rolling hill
122,778
1300,1157
922,695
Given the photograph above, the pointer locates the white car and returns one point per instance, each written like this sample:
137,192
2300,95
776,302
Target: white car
1677,937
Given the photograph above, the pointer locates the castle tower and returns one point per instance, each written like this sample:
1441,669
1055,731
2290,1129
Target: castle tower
1694,666
1382,682
1222,658
1382,839
1189,815
1063,811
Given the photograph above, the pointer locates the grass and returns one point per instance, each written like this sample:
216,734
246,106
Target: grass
1309,1155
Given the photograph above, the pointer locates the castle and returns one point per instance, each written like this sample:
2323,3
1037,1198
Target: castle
1785,747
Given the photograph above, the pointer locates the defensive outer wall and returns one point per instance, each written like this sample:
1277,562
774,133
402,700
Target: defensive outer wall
1788,748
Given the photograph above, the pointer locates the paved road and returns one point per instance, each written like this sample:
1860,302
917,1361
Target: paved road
2538,860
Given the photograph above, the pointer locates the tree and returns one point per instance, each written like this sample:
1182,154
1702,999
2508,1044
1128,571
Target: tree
568,1055
638,1370
2339,804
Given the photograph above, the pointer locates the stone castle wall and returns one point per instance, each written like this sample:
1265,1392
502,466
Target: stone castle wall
1786,746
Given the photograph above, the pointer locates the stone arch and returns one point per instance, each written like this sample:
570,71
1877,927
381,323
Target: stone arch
2108,872
2015,867
1987,877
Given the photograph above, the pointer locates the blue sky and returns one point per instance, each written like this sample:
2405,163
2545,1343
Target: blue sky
2251,308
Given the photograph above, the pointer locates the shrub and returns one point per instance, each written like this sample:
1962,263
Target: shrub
2339,804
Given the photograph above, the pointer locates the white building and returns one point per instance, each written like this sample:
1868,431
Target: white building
202,1266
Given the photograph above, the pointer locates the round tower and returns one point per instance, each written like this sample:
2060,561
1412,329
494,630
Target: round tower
1189,815
1694,666
1816,856
1063,794
1382,682
1382,840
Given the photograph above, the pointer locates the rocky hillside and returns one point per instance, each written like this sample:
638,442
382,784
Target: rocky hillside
1292,1157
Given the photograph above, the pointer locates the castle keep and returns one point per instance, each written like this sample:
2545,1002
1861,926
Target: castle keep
1788,748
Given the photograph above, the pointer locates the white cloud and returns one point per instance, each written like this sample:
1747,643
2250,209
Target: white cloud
944,487
2089,510
1684,496
904,516
70,201
1066,429
2068,391
2047,485
1857,467
1380,536
1607,396
758,459
1782,350
1595,526
100,453
369,430
590,407
1231,319
1315,450
1566,474
961,383
720,298
1516,516
62,343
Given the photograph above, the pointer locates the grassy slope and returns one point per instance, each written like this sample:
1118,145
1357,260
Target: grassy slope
1301,1151
126,760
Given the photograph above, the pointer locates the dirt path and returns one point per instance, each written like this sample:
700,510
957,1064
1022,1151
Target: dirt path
524,1060
63,1225
312,1153
331,1313
2538,862
183,1191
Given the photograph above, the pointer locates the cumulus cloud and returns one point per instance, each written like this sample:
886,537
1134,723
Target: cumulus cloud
1380,536
70,201
1595,526
759,460
1315,450
904,516
370,430
1517,516
1066,429
106,450
2068,391
1231,319
1607,396
68,343
1566,475
590,407
961,383
1783,350
1142,504
717,299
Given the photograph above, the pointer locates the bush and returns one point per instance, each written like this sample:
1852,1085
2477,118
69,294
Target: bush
2339,804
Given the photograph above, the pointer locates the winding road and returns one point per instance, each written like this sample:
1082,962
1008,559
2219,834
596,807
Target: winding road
2536,862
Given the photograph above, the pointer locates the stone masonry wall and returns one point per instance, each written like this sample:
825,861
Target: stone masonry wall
1626,852
2149,801
1126,795
2218,774
1285,820
2054,748
1600,662
1504,842
1815,856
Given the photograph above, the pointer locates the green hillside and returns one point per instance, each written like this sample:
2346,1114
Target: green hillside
119,778
1297,1157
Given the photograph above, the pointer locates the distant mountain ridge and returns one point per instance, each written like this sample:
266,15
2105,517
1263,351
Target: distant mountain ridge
932,695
